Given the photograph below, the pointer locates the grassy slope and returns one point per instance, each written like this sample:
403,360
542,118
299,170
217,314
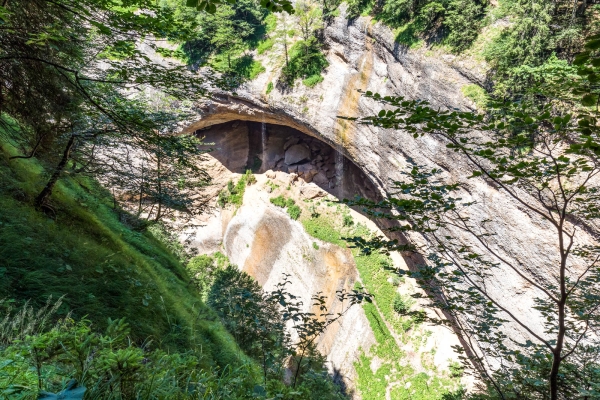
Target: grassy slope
394,373
104,268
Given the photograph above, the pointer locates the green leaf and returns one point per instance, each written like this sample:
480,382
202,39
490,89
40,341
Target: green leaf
589,99
191,3
593,44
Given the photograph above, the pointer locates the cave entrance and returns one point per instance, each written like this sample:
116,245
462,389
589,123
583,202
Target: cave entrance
241,145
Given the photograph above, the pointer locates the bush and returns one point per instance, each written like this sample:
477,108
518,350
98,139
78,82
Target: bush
294,211
315,246
306,59
269,87
477,94
265,46
234,194
270,22
245,66
348,220
203,268
312,81
106,364
401,305
279,201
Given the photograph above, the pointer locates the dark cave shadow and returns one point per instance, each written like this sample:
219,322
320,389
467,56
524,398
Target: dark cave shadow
246,145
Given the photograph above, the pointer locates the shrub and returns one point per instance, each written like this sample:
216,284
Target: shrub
279,201
306,59
315,246
289,202
294,211
348,220
234,194
245,66
249,177
397,280
265,46
256,68
477,94
401,305
311,81
269,87
203,268
270,22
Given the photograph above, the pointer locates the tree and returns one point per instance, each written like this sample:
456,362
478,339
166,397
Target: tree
62,99
310,18
260,322
546,158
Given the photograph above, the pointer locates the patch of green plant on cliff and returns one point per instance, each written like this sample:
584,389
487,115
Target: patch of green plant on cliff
234,193
323,228
374,271
477,94
103,262
292,209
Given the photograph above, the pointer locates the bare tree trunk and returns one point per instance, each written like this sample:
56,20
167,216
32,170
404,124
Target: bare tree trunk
285,40
141,193
159,184
47,191
557,351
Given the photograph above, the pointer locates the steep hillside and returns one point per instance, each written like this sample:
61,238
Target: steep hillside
101,260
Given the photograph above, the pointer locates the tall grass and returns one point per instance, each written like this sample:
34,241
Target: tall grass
103,267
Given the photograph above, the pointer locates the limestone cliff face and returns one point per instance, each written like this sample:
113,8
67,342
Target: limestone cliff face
363,56
262,240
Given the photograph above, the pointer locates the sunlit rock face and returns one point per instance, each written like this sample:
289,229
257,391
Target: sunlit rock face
262,240
363,56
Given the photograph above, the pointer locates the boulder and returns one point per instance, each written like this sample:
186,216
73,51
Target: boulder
320,179
311,192
296,154
290,142
270,174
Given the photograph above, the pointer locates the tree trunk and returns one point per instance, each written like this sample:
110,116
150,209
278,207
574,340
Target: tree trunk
557,352
159,184
285,41
47,191
141,193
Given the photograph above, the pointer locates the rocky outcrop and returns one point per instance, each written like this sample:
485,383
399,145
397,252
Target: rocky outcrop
363,56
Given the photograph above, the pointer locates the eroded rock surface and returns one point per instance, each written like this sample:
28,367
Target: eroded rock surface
363,56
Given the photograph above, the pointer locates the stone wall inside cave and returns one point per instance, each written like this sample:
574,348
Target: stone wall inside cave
240,145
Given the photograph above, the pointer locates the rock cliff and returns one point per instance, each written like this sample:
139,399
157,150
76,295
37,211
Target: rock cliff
362,55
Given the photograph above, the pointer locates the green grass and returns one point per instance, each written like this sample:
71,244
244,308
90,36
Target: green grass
312,81
234,193
279,201
265,46
324,229
477,94
270,23
292,209
105,268
374,271
244,66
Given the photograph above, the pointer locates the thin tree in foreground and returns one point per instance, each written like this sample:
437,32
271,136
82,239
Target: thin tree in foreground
546,158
